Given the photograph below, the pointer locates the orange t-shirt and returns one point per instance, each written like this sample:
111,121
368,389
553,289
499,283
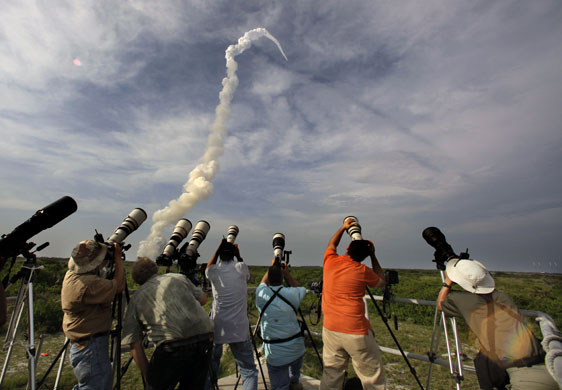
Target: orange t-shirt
343,291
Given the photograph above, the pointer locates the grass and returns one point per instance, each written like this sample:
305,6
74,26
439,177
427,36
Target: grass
530,291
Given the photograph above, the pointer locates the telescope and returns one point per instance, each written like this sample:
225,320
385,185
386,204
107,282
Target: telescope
169,253
14,243
443,250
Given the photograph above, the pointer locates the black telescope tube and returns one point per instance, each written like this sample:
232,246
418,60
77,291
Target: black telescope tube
43,219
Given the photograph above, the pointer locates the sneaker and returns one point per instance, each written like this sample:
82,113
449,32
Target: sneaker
295,386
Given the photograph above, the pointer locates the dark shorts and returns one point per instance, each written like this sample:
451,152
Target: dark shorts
180,361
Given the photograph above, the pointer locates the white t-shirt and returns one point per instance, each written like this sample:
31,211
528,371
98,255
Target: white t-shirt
230,300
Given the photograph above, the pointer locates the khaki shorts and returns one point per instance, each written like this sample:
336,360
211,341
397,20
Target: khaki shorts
365,356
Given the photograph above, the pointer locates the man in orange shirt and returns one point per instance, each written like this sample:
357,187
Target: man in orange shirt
347,332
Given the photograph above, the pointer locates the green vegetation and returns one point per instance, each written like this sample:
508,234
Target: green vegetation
540,292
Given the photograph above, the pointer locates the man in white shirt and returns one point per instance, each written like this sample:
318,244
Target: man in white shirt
229,280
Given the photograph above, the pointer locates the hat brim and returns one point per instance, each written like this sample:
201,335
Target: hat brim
92,265
484,286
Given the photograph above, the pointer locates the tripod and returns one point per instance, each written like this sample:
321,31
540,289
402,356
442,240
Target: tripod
25,292
257,354
385,320
455,373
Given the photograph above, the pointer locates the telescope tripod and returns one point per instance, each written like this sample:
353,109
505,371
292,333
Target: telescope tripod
456,373
25,293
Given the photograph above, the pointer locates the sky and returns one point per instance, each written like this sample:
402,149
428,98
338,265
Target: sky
405,114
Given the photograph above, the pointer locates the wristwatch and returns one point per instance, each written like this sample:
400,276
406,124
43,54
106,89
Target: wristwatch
447,285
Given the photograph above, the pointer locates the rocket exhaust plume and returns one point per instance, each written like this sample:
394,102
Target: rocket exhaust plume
199,185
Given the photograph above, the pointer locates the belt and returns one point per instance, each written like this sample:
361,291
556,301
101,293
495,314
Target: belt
93,336
526,362
188,341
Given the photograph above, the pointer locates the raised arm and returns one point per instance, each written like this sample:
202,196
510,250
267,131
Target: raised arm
288,277
216,255
336,238
119,274
376,266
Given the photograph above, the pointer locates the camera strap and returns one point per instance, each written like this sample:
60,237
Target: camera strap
276,341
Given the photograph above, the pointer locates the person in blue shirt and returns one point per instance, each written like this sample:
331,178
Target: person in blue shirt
283,338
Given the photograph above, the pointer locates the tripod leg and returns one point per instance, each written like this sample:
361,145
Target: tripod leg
62,356
449,353
459,350
385,320
116,342
434,344
257,355
13,327
307,329
31,352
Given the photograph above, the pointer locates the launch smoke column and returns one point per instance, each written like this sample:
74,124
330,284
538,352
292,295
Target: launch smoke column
199,185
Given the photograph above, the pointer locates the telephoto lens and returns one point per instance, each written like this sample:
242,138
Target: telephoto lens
354,230
278,245
180,232
232,233
129,225
436,239
199,233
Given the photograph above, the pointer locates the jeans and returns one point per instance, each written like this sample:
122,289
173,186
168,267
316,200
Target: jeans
187,364
244,356
91,365
281,377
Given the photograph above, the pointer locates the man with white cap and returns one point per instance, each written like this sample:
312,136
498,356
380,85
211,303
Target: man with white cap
509,352
86,300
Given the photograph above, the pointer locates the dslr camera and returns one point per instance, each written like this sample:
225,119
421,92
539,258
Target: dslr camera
129,225
186,256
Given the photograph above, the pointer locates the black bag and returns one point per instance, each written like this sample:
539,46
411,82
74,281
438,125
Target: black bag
490,375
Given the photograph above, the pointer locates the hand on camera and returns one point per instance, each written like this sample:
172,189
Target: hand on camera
236,251
117,252
371,248
348,223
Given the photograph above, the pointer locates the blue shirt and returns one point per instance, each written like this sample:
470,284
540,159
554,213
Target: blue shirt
279,321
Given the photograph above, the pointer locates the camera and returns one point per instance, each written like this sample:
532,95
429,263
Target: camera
188,253
169,253
443,250
390,277
232,233
316,286
131,223
278,244
14,243
354,230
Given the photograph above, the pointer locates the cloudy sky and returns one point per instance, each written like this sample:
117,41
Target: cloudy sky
406,114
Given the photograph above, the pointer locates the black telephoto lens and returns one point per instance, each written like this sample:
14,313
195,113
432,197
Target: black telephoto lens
443,250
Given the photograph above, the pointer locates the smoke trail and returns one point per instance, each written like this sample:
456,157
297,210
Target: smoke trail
199,185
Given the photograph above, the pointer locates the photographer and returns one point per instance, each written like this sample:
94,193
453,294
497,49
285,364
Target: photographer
280,329
229,280
168,310
509,352
346,332
86,302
